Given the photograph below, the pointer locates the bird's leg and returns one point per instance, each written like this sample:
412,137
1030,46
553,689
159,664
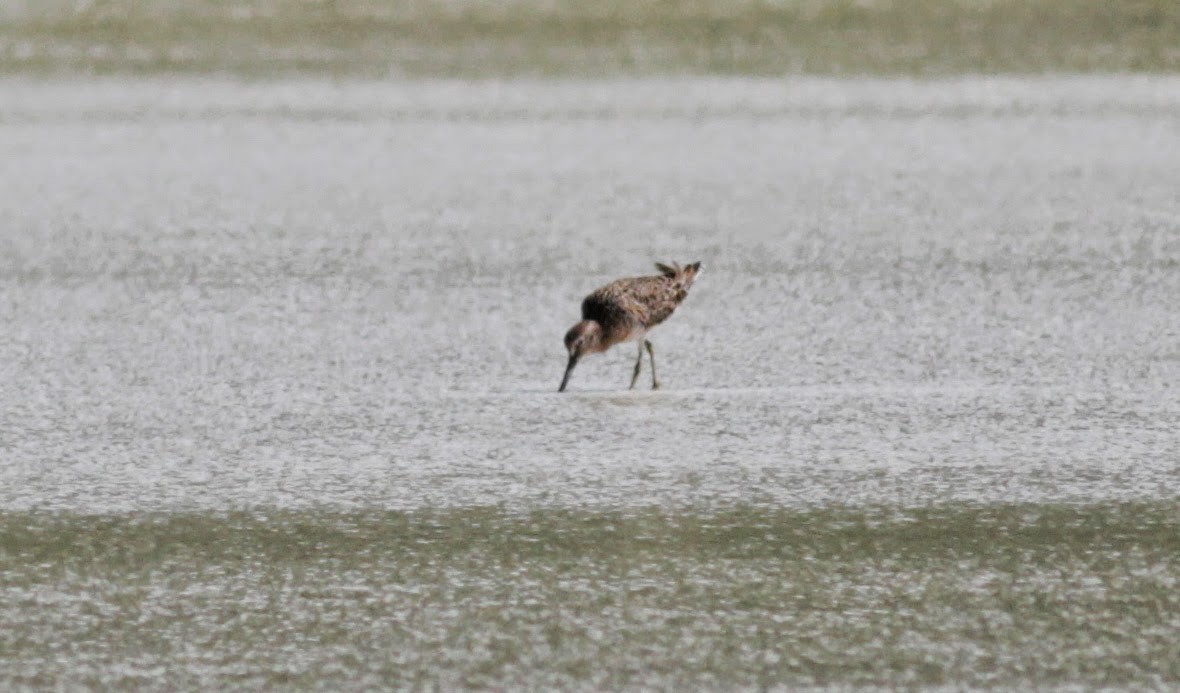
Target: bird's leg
655,384
638,367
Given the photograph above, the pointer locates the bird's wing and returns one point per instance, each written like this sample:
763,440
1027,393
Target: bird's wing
659,296
640,301
610,306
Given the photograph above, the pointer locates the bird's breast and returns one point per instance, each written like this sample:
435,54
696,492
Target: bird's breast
626,333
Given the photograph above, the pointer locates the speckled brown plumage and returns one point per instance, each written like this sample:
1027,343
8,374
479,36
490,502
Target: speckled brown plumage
626,309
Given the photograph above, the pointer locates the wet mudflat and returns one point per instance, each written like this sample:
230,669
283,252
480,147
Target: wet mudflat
470,38
749,597
279,365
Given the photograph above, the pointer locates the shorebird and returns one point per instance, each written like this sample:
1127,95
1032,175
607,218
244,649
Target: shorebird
625,310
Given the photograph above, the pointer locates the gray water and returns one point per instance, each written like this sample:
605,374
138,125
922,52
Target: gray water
227,295
279,362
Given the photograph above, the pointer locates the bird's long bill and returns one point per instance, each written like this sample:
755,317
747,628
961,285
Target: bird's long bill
568,369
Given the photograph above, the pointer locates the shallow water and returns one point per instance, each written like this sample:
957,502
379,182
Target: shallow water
318,298
224,295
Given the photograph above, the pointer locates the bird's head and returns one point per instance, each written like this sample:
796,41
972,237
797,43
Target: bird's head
583,338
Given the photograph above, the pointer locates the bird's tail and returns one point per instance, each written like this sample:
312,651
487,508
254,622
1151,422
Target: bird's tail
685,275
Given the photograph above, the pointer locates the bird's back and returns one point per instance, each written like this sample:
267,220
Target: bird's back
639,302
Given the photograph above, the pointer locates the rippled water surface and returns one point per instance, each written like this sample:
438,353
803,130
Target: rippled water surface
339,306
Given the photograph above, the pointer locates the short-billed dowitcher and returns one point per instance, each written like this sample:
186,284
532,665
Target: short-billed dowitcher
625,310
